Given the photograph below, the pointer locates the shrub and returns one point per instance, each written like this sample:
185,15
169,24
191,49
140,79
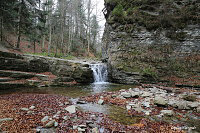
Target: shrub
118,11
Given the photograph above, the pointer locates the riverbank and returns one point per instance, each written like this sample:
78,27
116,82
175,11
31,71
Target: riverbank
23,112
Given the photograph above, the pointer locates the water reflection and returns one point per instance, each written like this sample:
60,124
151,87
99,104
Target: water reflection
71,91
115,113
100,87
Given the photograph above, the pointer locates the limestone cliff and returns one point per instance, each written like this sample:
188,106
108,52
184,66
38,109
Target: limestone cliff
147,40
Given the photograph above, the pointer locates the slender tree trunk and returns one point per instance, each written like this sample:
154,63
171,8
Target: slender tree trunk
34,46
88,28
19,25
50,39
50,30
2,27
43,43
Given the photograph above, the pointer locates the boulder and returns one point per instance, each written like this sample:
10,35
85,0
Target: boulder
182,105
160,101
126,95
146,94
193,105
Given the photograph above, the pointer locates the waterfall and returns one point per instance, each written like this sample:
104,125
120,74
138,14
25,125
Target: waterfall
100,72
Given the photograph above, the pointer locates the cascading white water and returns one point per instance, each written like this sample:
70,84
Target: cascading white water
100,72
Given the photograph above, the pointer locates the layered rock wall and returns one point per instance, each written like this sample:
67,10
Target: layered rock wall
145,41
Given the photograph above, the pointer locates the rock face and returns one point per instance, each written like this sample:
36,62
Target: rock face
65,70
17,67
141,45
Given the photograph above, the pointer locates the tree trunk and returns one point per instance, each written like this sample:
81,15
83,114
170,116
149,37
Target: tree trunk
88,27
50,30
34,46
2,28
49,45
19,25
43,43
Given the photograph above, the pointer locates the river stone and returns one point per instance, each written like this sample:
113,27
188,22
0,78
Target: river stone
92,125
126,94
56,124
82,126
100,101
146,104
81,130
74,127
147,112
146,94
136,89
128,107
160,101
167,112
153,90
198,109
193,105
134,94
71,109
66,117
45,119
182,105
50,124
172,103
6,119
32,107
24,109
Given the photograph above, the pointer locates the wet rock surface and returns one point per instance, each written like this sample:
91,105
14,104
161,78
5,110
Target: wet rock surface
32,70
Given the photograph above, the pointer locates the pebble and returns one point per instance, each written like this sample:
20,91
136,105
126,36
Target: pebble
128,107
6,119
66,117
81,130
32,107
167,112
24,109
50,124
45,119
56,124
71,109
100,101
75,127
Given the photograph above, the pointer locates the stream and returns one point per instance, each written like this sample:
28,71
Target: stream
75,92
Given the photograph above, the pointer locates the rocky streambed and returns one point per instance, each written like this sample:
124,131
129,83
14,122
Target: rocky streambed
146,108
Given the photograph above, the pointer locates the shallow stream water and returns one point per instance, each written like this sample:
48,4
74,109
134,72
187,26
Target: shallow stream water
74,92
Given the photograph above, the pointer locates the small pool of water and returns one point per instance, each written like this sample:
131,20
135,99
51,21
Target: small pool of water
71,91
115,113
